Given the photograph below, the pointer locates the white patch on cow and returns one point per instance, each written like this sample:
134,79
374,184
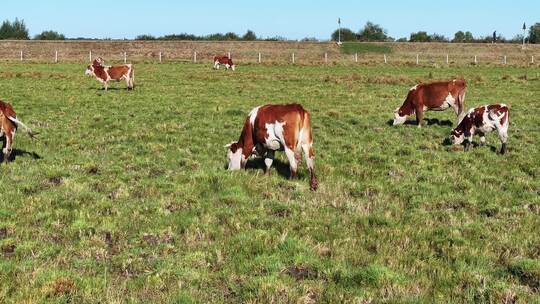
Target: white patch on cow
414,88
275,138
253,115
227,66
233,67
216,65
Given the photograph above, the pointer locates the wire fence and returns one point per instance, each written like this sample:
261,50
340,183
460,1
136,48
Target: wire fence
301,53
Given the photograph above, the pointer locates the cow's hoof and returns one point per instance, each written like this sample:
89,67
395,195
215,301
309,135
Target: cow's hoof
504,149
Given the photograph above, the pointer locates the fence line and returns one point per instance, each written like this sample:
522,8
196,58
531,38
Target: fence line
418,58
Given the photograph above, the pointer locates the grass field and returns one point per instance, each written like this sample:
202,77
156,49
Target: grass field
124,197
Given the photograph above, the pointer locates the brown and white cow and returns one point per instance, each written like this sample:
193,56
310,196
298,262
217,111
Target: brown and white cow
225,60
8,127
105,73
275,127
436,96
480,121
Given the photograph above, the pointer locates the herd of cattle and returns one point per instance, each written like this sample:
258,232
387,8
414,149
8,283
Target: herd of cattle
287,128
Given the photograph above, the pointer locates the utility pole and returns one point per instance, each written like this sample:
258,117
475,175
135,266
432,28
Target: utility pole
339,31
524,29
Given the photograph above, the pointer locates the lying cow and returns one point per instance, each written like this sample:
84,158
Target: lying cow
275,127
8,127
436,96
105,73
482,120
225,60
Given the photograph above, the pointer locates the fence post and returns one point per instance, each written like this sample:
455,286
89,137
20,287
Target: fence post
194,57
292,57
504,59
385,58
325,57
447,59
355,57
55,56
417,59
21,55
125,57
90,56
159,57
532,59
259,57
229,55
475,61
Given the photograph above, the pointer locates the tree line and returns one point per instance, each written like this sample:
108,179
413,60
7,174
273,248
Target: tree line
376,33
370,32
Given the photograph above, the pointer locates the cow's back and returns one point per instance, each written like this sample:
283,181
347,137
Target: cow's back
290,117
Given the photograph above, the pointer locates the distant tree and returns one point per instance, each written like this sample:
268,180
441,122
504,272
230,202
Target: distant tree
145,37
14,30
534,33
346,35
231,36
6,30
309,39
372,32
402,39
420,37
19,29
437,38
249,36
275,38
461,36
50,35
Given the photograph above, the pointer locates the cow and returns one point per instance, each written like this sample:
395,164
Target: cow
8,127
225,60
269,128
105,73
482,120
436,96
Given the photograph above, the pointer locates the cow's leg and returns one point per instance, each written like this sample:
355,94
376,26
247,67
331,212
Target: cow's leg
216,65
468,142
482,139
9,135
503,135
419,115
105,85
310,161
268,160
292,161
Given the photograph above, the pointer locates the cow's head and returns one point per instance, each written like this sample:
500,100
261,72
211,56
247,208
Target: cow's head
235,157
457,136
89,70
399,117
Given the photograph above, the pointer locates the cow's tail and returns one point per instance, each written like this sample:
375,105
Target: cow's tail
25,127
461,103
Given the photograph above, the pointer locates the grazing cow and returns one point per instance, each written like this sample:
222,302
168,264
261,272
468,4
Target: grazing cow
436,96
105,73
8,127
275,127
225,60
480,121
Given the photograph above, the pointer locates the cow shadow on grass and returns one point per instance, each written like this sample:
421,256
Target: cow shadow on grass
282,168
474,145
427,122
21,153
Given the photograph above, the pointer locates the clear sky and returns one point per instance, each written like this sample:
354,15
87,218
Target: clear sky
293,19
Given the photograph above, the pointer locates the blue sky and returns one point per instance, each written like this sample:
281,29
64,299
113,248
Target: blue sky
291,19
